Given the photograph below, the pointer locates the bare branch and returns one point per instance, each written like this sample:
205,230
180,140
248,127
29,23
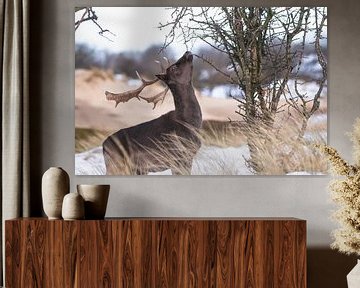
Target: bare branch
82,19
90,15
208,61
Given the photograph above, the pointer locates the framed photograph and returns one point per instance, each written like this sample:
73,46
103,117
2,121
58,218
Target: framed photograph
200,90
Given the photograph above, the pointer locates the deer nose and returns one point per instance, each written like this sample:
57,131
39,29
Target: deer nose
188,56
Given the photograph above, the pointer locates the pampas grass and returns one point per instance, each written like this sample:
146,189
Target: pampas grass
345,192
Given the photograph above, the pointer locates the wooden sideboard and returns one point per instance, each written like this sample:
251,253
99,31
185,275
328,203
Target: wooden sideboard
156,252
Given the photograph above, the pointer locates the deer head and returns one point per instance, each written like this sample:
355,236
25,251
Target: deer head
180,72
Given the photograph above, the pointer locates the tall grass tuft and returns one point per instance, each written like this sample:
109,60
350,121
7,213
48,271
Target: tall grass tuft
278,150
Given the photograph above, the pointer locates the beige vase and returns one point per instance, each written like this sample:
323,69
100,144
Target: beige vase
96,198
353,278
73,207
55,185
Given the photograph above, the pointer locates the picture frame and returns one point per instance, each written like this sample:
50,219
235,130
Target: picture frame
258,125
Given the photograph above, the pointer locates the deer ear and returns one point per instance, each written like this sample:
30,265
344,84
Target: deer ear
162,77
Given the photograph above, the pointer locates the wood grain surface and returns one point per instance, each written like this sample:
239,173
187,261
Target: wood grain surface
241,253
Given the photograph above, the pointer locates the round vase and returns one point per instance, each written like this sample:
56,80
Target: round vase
73,207
55,185
96,198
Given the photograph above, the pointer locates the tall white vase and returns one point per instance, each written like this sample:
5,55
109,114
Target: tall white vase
55,185
353,278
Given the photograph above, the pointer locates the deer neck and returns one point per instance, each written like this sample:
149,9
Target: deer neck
187,108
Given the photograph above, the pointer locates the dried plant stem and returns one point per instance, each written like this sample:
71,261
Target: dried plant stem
345,191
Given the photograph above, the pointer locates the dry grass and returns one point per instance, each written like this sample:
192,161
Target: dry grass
222,134
172,152
86,139
213,133
99,74
278,151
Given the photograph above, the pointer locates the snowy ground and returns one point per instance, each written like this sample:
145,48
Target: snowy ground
90,162
208,161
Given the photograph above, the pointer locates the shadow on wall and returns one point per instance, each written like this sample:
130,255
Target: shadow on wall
36,67
328,268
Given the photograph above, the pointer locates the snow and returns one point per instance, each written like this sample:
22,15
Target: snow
90,162
311,67
208,161
119,77
134,82
318,119
308,89
222,91
221,161
300,173
316,136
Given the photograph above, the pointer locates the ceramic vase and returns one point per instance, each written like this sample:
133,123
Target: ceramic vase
353,278
55,185
96,198
73,207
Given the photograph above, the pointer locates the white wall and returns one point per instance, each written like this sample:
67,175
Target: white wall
303,197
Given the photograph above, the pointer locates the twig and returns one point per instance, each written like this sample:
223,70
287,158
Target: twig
91,16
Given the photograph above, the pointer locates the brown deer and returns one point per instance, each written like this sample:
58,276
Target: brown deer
150,146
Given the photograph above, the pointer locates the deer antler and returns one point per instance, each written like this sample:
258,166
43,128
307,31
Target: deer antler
163,68
126,96
161,95
156,98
